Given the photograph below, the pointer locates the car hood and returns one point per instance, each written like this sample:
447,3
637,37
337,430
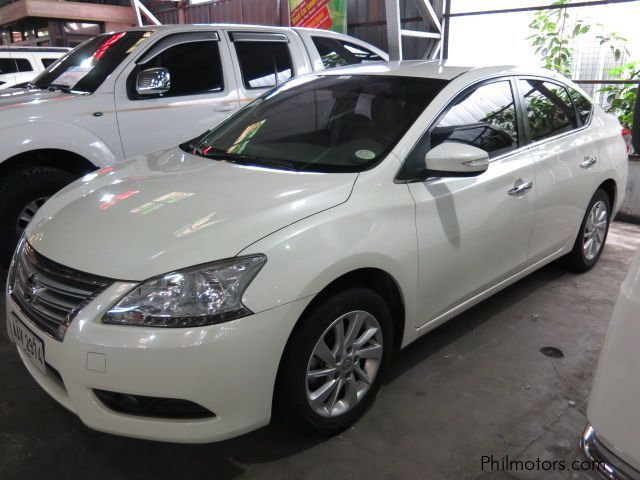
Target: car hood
22,97
170,210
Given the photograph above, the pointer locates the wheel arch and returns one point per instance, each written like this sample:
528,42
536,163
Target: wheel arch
610,188
48,157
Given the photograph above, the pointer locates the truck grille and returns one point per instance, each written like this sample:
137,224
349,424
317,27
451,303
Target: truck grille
48,293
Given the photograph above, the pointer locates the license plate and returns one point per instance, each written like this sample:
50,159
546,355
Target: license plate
28,342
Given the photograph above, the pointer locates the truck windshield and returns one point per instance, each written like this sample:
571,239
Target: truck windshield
85,68
321,123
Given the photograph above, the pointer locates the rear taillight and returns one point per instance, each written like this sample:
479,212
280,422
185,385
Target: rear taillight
626,135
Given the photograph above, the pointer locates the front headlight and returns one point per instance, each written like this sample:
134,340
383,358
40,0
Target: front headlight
192,297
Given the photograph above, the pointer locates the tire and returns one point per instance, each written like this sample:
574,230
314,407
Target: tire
293,392
18,190
584,254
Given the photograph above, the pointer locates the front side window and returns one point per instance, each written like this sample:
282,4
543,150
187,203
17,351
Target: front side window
484,118
321,123
549,109
85,68
8,65
583,106
195,68
264,64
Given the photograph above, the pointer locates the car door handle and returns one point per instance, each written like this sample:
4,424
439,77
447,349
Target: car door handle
224,108
588,161
520,188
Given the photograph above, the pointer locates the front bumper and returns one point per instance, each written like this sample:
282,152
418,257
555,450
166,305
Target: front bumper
229,369
608,463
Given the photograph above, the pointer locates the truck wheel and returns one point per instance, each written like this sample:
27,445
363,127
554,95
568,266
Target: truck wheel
22,193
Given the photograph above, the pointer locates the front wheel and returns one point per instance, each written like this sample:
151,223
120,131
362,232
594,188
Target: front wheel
22,193
592,235
333,364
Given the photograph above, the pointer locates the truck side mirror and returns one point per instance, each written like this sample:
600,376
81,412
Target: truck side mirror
153,81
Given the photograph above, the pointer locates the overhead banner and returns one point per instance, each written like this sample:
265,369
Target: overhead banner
325,14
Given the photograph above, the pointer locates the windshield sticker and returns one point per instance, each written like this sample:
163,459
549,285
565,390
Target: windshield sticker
72,76
243,140
365,154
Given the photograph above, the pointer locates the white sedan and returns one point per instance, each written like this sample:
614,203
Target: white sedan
273,264
611,437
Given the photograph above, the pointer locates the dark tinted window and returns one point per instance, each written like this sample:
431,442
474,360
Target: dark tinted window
583,106
47,61
24,65
336,53
549,109
361,53
264,64
322,123
87,66
195,67
8,65
485,118
14,65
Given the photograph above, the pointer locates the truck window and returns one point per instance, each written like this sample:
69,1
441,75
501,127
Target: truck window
195,68
264,64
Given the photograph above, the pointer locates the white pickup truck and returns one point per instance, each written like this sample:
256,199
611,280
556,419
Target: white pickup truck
127,93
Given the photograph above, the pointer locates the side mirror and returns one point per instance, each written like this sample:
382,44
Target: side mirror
153,81
635,128
451,159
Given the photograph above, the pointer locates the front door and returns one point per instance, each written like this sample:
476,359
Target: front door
474,232
202,93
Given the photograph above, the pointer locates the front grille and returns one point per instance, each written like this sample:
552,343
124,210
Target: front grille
48,293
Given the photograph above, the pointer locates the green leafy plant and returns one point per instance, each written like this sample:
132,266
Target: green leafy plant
621,98
552,35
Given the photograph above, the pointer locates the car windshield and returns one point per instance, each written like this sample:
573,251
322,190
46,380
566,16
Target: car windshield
85,68
321,123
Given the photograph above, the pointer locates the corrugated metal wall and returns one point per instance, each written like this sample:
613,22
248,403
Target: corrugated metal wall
366,18
260,12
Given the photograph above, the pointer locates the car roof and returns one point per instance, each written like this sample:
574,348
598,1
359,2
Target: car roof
199,26
438,69
34,49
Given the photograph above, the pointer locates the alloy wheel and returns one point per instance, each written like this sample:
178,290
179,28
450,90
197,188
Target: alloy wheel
595,230
344,363
27,213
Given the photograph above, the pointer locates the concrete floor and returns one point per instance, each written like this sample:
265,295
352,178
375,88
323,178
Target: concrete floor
476,386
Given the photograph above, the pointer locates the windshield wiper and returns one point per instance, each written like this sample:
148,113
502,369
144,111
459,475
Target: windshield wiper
242,158
52,87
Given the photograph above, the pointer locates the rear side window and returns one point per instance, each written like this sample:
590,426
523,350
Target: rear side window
549,109
47,61
264,64
484,118
335,53
195,68
24,65
583,106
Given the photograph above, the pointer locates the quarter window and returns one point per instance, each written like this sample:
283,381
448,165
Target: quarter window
334,53
583,106
549,109
484,118
264,64
195,68
47,61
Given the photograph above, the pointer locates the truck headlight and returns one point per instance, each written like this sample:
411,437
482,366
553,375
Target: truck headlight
192,297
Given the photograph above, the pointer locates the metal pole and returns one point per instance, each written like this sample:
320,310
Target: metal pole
394,38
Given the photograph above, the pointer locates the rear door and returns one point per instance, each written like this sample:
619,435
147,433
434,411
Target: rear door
262,60
565,155
203,92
